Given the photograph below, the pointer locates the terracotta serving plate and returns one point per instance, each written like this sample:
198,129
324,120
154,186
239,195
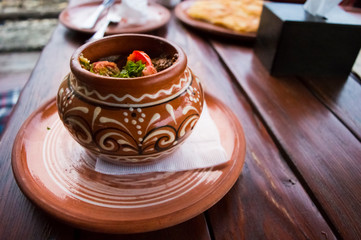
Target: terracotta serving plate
56,174
72,18
181,14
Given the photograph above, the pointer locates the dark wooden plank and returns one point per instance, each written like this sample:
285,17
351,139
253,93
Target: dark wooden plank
272,203
341,96
19,218
193,229
322,149
267,202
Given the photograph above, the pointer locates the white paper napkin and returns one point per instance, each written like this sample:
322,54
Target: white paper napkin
320,7
201,150
136,12
133,11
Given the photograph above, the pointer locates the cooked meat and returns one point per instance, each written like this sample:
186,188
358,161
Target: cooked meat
162,63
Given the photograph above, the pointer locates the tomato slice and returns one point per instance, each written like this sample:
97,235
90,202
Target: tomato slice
140,55
149,70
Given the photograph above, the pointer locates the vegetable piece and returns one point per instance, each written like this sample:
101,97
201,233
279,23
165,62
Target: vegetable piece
149,70
138,64
105,68
142,56
84,62
132,69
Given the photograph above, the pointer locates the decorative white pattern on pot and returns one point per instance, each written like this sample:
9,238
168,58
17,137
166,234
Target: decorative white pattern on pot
135,134
119,101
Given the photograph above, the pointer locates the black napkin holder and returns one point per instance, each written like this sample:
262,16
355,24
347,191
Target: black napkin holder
292,42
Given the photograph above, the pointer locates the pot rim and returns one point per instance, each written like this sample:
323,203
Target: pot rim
176,69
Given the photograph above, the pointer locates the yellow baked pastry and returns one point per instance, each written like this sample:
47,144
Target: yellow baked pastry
238,15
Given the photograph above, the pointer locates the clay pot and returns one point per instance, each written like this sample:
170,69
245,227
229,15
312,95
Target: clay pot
130,120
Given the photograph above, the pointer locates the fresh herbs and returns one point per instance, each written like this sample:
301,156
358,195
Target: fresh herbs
145,59
138,64
132,69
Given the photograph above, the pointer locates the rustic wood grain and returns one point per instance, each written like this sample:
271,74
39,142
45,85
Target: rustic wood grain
270,200
193,229
19,218
267,202
341,96
322,149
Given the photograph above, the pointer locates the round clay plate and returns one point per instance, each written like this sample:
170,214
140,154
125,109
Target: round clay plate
72,18
54,172
181,14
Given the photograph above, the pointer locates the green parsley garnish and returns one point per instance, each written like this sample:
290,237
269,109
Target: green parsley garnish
132,69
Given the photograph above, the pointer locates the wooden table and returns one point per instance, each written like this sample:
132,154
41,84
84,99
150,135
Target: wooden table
302,173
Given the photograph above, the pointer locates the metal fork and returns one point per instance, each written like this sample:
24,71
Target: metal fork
110,18
90,22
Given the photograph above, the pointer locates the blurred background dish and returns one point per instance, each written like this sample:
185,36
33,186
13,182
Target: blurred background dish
181,12
71,17
240,16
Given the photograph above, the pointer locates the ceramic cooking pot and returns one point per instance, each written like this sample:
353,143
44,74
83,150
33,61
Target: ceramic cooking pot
130,120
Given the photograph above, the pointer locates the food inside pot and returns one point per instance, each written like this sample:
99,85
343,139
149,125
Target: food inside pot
137,64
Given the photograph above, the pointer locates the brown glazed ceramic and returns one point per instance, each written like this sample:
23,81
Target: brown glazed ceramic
130,120
60,178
